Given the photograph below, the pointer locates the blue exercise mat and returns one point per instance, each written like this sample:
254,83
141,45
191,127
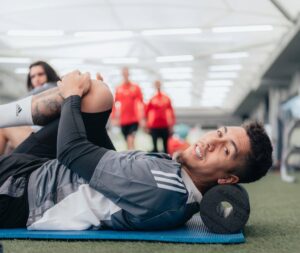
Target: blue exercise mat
193,232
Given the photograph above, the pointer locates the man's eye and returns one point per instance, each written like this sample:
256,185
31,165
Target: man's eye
226,151
219,133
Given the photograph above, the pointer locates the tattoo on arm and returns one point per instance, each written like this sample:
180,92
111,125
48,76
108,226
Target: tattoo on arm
46,106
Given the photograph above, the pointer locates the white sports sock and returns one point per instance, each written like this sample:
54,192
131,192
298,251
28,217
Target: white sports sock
17,113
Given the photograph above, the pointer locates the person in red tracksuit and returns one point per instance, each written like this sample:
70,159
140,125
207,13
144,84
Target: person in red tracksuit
160,117
128,108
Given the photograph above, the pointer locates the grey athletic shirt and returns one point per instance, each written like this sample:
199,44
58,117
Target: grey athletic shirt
128,191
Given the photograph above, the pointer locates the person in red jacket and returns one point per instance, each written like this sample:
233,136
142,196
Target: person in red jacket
160,117
128,108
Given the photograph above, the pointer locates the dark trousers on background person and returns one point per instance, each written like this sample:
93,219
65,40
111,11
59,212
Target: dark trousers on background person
162,133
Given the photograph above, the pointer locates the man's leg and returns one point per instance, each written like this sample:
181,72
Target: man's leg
15,135
42,143
130,141
128,136
95,125
96,105
165,136
153,134
132,129
3,141
44,107
73,148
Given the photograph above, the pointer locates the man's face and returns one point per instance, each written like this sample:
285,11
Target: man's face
125,74
217,153
157,85
38,76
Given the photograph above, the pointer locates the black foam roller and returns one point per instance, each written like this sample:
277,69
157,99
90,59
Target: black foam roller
214,218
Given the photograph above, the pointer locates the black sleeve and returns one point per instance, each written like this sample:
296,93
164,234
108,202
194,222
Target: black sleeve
73,148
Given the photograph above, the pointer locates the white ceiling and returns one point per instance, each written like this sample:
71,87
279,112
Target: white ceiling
133,17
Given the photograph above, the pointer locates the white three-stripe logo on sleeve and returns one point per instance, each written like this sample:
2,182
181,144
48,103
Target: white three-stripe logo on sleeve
168,181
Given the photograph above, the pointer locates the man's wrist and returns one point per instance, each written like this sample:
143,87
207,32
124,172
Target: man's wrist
72,93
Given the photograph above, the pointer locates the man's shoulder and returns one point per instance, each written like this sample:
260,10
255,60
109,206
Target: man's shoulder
165,97
133,87
136,85
119,87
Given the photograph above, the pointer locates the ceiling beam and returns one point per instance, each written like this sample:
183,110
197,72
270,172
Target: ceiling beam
283,11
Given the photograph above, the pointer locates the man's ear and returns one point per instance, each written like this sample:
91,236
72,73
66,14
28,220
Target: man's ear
231,179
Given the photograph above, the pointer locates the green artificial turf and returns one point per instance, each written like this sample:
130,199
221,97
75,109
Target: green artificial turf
274,226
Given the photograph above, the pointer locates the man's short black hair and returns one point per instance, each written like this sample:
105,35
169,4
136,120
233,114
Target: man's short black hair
259,160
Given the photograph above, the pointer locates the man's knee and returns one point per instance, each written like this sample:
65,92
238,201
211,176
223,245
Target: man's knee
98,99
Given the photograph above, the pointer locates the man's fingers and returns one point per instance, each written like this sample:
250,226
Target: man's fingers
87,74
76,72
99,77
72,73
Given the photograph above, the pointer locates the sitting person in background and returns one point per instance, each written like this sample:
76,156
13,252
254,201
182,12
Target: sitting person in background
41,76
68,176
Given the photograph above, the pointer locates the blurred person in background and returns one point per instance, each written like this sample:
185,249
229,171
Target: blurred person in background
41,77
128,108
160,117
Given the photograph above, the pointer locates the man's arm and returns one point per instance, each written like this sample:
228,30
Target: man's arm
42,108
46,106
38,109
171,116
115,114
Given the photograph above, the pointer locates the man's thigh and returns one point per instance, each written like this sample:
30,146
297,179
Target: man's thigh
95,125
44,142
130,129
3,141
16,135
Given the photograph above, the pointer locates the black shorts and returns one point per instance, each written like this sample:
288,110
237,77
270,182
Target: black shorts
15,170
160,132
129,129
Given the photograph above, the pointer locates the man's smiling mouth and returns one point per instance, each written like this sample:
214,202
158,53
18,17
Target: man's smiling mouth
199,152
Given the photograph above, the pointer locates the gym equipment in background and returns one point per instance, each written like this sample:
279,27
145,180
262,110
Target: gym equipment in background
290,116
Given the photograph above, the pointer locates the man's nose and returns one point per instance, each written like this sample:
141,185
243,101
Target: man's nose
213,143
210,146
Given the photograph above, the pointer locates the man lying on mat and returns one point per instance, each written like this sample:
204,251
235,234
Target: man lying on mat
68,175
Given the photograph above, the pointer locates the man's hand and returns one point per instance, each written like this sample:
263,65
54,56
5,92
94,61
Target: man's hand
74,83
99,77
